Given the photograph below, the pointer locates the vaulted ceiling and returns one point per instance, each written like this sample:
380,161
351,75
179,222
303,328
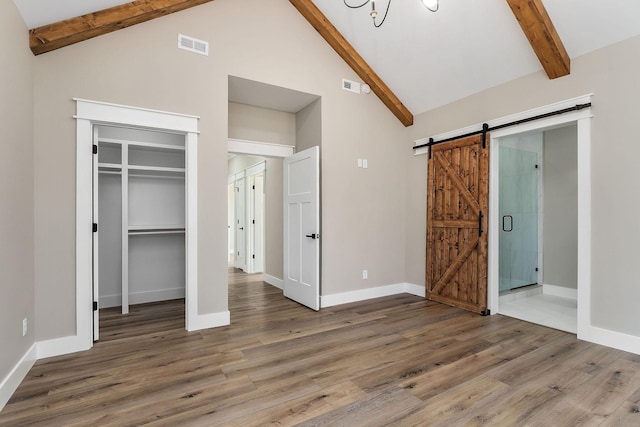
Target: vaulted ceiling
417,60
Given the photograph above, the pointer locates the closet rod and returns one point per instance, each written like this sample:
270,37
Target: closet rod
486,128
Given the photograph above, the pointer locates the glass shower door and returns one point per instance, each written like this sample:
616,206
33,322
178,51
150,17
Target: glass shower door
518,218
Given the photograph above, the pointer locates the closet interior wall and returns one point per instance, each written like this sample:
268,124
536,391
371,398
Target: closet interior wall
140,216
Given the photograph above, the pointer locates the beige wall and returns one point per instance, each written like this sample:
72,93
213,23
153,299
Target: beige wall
251,123
241,162
141,66
560,226
309,126
16,189
611,74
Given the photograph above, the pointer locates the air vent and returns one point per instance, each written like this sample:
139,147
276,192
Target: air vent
193,45
350,86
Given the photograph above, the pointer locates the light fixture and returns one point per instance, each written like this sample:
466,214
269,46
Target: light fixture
432,5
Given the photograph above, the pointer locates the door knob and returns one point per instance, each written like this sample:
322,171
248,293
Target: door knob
241,228
313,236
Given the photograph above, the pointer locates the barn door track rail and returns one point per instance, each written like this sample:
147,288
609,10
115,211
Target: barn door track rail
486,128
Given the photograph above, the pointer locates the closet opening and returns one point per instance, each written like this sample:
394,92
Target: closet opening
140,211
161,147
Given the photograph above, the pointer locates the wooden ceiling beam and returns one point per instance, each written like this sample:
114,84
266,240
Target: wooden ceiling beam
320,22
64,33
542,35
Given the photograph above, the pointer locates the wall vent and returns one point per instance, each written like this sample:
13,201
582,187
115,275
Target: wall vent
351,86
193,45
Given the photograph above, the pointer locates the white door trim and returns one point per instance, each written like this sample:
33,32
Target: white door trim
256,148
89,113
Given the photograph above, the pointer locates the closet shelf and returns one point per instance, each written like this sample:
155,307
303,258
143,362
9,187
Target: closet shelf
143,145
140,168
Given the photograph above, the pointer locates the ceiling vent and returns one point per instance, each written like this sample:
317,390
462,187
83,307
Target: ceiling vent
193,45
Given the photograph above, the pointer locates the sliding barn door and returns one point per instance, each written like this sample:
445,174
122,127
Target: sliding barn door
457,201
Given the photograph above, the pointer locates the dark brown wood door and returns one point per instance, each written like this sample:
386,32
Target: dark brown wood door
457,202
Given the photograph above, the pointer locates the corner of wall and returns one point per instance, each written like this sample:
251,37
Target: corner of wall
10,383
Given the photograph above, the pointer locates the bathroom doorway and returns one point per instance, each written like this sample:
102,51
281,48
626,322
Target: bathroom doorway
538,233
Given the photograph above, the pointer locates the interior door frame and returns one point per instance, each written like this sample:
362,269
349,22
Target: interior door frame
240,238
88,114
582,119
252,210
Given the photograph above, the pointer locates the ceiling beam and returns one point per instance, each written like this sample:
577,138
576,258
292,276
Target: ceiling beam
542,35
64,33
320,22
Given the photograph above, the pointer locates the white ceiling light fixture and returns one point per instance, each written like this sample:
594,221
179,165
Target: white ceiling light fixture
432,5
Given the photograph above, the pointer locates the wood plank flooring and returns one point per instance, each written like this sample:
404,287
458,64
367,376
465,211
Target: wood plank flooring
393,361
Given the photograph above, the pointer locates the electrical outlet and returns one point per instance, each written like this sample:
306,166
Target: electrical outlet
24,327
365,274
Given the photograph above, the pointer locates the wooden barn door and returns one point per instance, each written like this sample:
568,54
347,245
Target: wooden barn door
457,202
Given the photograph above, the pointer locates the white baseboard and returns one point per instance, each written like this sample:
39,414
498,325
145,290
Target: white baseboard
64,345
369,293
416,290
107,301
11,382
206,321
618,340
273,281
560,291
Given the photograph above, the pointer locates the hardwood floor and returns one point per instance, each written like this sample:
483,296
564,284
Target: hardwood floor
398,360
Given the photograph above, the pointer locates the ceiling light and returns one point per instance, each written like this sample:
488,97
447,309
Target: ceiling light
432,5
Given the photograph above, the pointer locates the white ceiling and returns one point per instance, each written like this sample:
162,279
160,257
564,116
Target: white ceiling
431,59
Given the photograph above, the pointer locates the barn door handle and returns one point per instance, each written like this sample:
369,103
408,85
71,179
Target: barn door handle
313,236
504,228
480,216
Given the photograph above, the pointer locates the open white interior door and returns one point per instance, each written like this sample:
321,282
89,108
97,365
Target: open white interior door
96,317
302,227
